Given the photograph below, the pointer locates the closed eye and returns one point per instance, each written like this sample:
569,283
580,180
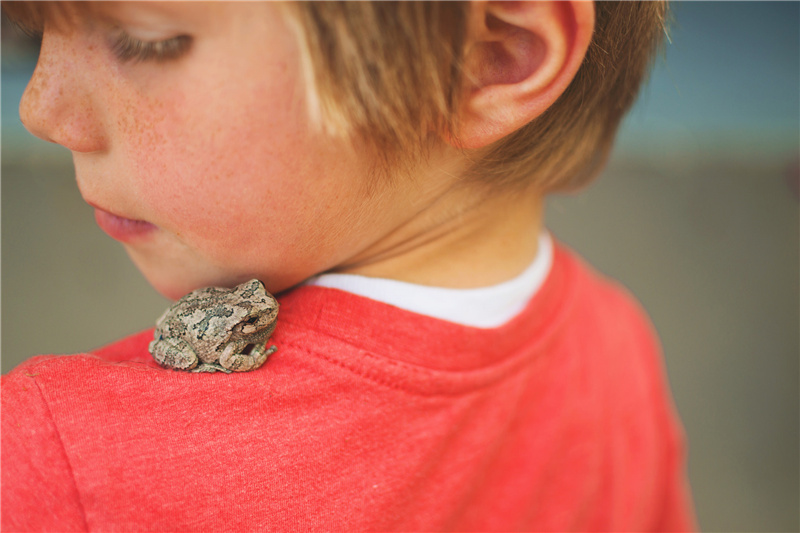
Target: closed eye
127,48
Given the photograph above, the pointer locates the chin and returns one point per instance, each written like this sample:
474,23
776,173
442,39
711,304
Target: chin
174,283
173,289
175,277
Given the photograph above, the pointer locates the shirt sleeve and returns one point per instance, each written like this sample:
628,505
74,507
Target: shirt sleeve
38,489
677,511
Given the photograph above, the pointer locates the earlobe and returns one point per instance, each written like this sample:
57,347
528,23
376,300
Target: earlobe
520,58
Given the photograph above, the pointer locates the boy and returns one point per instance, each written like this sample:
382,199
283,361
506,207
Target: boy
441,363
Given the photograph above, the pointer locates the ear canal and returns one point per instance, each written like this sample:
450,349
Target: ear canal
510,56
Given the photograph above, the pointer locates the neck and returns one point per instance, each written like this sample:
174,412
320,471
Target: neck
461,239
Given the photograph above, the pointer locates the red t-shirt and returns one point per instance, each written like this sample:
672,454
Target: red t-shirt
368,417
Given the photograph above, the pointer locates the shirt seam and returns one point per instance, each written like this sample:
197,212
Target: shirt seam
66,455
388,383
450,390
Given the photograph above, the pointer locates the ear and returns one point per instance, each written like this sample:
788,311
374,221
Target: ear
520,58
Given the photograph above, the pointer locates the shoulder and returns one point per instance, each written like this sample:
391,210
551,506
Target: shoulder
625,384
602,306
617,345
37,464
130,350
36,391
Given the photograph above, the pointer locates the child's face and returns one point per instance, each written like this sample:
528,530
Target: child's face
209,148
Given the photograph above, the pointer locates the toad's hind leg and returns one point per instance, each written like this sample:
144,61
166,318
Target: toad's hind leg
174,353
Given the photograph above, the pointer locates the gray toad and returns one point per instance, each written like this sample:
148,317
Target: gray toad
217,329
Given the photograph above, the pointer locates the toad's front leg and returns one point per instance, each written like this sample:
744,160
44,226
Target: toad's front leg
250,357
210,367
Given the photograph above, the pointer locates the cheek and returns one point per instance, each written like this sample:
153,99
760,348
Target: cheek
212,157
237,168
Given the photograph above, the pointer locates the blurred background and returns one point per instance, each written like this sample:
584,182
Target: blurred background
697,213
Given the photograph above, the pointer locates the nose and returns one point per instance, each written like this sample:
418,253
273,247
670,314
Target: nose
58,105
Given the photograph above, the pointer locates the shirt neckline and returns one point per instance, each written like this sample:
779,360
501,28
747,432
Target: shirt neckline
401,342
484,307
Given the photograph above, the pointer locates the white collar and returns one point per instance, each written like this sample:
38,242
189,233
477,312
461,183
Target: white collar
484,307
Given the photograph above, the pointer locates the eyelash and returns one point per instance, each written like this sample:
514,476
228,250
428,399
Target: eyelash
126,48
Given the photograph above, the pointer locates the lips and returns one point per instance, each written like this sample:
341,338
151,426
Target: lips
120,228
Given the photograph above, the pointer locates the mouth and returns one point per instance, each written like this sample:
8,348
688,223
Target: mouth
121,228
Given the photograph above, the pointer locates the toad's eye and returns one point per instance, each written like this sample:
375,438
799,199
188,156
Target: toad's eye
249,325
127,48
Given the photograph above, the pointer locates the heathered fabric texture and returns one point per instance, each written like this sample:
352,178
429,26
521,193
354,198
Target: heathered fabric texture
368,417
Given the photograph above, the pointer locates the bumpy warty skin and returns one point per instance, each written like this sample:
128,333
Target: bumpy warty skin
213,323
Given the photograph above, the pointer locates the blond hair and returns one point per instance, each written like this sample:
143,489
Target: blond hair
389,73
